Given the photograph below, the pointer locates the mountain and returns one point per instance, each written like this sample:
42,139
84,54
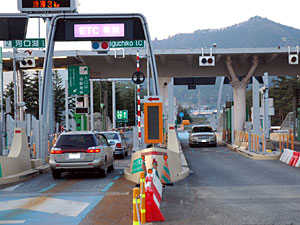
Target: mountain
256,32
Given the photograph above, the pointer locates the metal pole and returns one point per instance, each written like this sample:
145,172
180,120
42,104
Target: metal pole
15,84
2,110
92,105
255,105
232,125
82,121
135,105
114,103
266,110
139,101
219,99
148,72
67,104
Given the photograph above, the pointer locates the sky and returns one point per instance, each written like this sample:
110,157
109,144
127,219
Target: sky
167,18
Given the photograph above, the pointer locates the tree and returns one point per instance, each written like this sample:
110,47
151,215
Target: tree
59,97
282,92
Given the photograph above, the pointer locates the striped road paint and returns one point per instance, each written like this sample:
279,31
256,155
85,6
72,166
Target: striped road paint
58,208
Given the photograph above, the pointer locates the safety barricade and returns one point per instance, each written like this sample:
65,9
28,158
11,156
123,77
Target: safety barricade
294,159
153,197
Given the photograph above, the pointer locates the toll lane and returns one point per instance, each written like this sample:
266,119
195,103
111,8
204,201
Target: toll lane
44,200
227,188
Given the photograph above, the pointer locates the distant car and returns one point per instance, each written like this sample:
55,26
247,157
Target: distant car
202,134
118,142
81,151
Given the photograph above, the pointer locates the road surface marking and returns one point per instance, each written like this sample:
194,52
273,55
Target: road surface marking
116,193
12,188
12,221
107,187
47,188
116,178
47,205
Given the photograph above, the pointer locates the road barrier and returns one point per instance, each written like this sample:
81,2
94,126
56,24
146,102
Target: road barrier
153,198
166,177
147,198
286,139
290,157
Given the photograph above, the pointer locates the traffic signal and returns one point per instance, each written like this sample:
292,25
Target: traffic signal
100,46
27,63
293,59
206,60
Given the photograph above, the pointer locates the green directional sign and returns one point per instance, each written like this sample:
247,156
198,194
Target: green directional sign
122,116
137,166
27,43
79,77
127,44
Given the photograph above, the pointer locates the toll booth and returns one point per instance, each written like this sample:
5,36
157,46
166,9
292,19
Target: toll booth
227,123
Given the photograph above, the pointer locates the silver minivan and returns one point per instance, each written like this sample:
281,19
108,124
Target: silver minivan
81,151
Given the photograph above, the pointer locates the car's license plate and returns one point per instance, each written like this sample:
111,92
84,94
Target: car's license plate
74,156
203,140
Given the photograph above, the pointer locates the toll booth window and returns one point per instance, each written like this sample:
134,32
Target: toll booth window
153,122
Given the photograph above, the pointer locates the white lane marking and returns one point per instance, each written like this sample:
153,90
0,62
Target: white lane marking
12,188
12,221
47,205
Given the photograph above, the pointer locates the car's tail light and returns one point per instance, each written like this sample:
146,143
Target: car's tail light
93,150
118,145
56,151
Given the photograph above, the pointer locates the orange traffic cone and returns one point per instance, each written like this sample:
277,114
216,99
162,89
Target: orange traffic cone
166,177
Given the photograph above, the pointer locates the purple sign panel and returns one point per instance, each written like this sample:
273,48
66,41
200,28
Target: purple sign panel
99,30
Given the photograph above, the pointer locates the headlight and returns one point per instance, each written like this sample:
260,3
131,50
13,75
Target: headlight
194,138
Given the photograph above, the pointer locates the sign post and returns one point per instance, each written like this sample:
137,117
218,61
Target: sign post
79,80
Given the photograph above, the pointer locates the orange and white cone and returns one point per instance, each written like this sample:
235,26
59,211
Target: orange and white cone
166,177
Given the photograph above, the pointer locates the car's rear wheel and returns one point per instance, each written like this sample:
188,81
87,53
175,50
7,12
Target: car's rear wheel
123,154
111,167
56,174
191,145
103,172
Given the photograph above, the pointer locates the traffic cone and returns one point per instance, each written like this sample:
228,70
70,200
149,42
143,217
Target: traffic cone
166,177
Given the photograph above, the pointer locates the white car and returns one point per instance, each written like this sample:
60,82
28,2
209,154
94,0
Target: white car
118,142
202,135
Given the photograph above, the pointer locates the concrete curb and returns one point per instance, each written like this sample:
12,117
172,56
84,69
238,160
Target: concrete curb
24,175
252,155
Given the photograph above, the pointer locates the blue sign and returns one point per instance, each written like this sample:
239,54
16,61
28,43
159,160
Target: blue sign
181,114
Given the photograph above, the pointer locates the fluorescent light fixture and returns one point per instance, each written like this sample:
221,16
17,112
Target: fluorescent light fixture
6,59
36,58
60,57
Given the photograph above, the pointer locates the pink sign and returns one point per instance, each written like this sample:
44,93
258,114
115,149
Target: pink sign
99,30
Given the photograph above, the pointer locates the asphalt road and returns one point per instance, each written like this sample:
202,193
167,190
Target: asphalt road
227,188
77,198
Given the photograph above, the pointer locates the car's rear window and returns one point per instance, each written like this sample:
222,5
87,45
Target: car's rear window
76,141
111,136
202,129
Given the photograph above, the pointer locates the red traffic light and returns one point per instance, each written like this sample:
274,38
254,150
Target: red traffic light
104,45
294,59
210,60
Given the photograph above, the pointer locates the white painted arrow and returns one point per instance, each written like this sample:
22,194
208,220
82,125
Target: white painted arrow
46,205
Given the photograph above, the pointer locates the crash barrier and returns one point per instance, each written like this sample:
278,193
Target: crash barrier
147,198
290,157
153,194
18,159
286,141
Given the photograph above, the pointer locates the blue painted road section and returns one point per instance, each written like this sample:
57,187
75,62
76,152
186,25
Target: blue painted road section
32,217
183,136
